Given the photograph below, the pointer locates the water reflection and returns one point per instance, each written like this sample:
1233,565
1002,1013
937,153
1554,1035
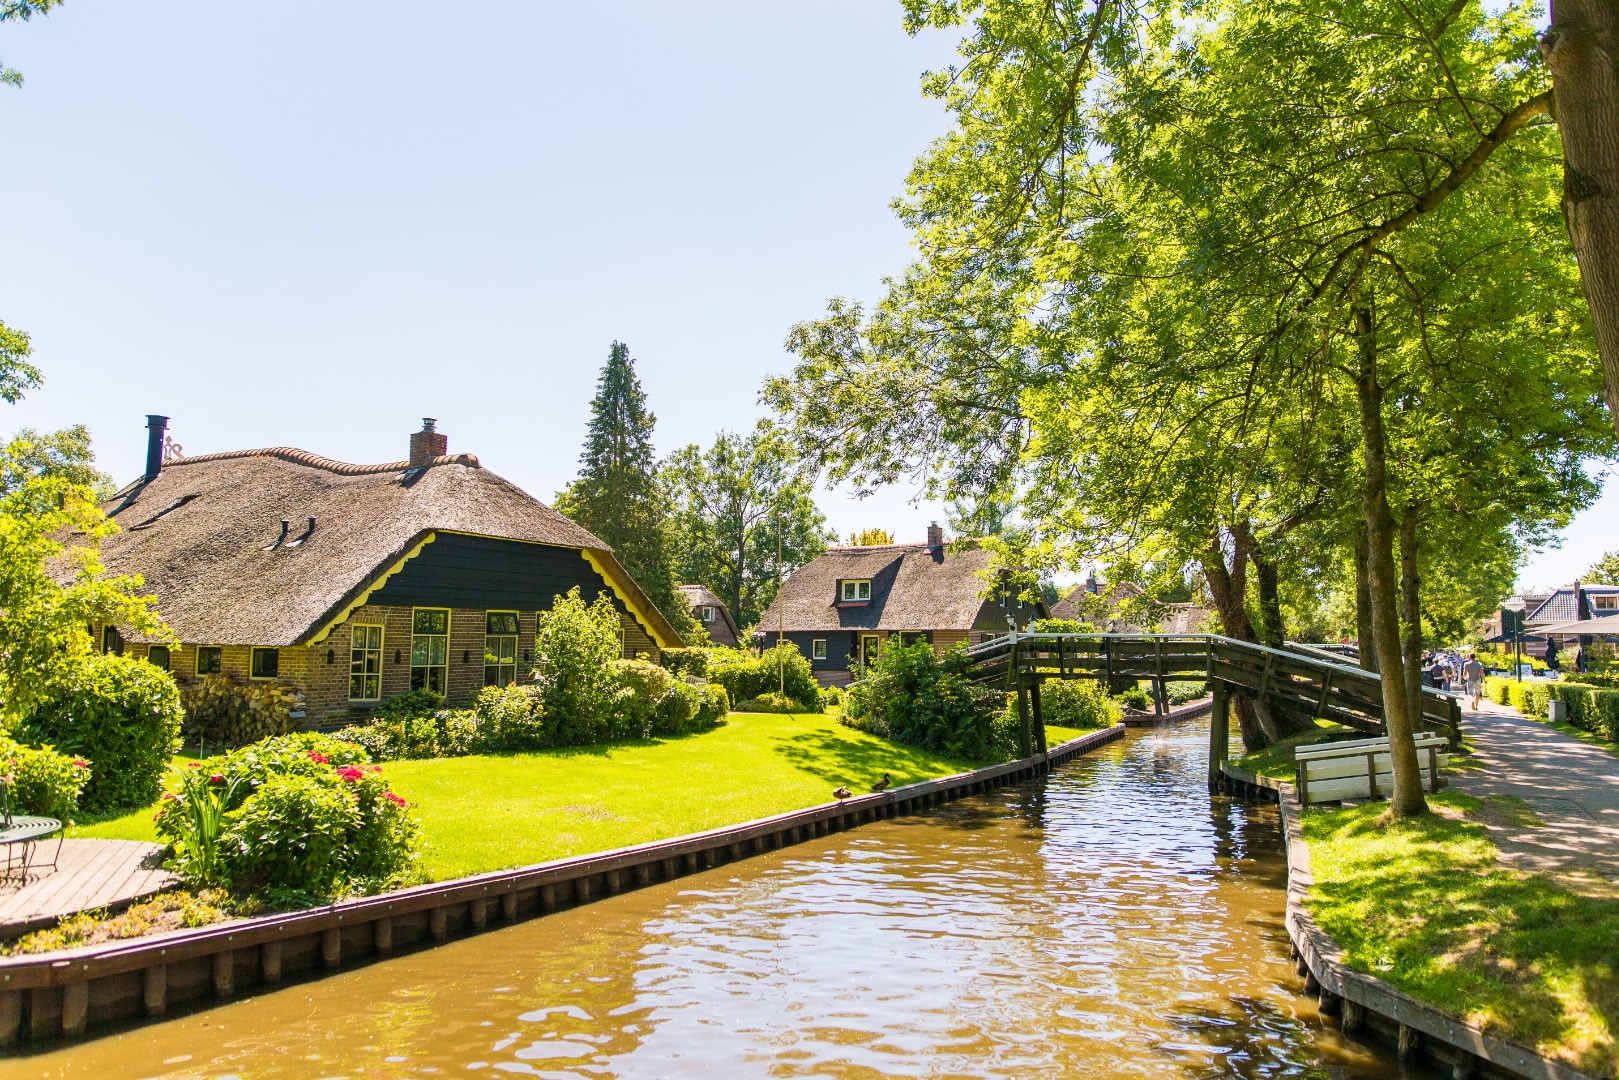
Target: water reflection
1109,922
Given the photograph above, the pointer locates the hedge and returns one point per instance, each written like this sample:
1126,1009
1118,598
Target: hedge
1589,708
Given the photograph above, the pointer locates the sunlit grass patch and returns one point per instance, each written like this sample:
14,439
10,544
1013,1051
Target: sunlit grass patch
1422,904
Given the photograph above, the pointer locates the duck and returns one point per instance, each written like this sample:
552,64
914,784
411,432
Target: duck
841,793
882,785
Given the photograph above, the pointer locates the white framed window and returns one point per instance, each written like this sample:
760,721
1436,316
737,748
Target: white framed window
623,644
499,648
857,590
708,614
818,648
430,649
1605,603
266,663
365,663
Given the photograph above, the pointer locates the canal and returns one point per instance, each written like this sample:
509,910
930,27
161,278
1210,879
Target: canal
1108,921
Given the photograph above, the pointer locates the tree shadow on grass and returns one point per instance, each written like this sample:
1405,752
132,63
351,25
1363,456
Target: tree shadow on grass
860,763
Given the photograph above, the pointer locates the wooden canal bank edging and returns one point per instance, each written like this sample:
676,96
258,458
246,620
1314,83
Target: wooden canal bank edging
1175,715
1365,1004
64,994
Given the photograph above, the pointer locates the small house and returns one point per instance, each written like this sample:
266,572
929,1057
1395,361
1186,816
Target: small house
839,608
354,583
709,610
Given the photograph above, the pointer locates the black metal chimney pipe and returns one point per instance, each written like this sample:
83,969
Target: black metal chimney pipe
155,427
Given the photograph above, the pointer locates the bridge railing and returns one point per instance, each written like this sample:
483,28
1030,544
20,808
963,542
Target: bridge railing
1318,683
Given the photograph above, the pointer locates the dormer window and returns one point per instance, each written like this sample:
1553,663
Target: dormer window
708,614
1605,603
857,590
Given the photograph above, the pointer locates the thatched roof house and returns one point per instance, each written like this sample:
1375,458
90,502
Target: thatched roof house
838,608
265,562
708,609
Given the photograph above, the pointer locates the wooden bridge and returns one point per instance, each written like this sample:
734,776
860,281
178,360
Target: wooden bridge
1299,677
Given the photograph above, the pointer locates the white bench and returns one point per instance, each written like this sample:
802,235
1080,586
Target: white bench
1361,769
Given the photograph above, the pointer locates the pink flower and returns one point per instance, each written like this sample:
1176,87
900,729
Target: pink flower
193,764
217,778
169,796
350,773
395,799
319,758
81,763
375,768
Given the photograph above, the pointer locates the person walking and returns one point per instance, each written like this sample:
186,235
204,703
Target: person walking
1551,655
1473,679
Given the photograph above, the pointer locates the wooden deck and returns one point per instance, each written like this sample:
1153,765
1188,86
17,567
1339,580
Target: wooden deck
90,874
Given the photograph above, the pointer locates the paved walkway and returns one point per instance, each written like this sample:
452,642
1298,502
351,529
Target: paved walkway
1572,786
89,874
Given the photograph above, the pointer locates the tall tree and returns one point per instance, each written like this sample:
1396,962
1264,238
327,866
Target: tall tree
1604,571
741,519
65,454
616,495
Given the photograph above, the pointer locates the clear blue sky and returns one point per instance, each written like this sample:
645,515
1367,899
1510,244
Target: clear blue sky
313,224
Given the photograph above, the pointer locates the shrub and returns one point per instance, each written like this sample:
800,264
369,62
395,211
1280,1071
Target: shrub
746,676
713,706
770,703
120,713
513,718
830,696
412,705
462,734
1076,703
575,645
1590,708
396,738
42,781
1179,693
685,661
650,701
1135,698
225,710
912,695
1063,626
297,812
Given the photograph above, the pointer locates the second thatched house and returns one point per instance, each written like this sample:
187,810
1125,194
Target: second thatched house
838,609
708,609
353,583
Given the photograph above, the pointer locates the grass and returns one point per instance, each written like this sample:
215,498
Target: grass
1422,904
492,812
1276,760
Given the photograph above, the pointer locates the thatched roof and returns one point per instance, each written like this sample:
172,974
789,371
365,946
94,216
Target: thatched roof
700,596
203,534
913,587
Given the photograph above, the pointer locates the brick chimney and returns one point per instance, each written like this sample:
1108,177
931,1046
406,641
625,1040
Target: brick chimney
935,537
427,444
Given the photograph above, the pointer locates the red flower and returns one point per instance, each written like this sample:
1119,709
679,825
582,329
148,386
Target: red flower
375,768
81,763
169,796
391,797
217,778
350,773
193,764
318,758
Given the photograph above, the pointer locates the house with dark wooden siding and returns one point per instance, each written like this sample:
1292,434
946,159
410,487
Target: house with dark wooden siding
838,609
354,583
707,608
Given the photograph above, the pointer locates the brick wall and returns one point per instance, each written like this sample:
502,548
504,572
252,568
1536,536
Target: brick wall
322,670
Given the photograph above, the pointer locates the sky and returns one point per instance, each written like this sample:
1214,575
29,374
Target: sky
313,224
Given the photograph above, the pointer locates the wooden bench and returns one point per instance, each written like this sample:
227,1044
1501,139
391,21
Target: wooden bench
1361,768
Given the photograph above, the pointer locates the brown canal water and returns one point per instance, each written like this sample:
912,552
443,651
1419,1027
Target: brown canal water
1111,920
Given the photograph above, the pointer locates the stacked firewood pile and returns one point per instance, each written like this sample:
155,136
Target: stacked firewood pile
225,710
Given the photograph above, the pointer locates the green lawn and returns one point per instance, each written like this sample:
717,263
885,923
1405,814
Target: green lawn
488,813
1421,904
1276,760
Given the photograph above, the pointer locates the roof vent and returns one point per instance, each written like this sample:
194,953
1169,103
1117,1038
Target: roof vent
427,444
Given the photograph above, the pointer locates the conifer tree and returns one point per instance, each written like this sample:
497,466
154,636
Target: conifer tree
616,495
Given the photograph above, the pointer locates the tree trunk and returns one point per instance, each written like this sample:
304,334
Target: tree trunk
1580,49
1382,578
1363,603
1411,610
1271,630
1229,588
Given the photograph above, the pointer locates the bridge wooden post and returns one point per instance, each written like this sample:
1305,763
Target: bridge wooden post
1219,733
1025,747
1039,717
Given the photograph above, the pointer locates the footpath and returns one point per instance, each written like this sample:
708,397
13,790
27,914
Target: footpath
1571,786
